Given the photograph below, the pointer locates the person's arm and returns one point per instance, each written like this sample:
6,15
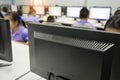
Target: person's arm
36,21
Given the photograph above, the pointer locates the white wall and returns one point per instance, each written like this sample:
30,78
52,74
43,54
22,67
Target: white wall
113,3
5,1
23,2
64,2
53,2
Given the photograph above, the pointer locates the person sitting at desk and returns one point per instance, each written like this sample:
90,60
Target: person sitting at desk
32,16
117,12
84,16
51,21
18,32
113,24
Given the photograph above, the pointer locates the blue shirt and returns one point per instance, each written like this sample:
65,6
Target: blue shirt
21,35
84,24
32,19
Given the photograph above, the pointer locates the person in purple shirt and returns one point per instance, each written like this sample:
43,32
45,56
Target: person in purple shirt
32,17
84,16
18,32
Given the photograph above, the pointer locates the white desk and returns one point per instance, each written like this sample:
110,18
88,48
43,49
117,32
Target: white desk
66,20
20,64
72,21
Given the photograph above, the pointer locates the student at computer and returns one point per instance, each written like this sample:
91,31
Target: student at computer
117,12
51,21
32,16
18,32
113,24
84,16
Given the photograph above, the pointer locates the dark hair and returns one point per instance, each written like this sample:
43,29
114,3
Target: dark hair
1,16
50,19
84,13
5,9
113,22
20,12
117,12
16,17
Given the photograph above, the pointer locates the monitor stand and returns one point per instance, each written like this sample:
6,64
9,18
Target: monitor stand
98,21
5,63
52,76
75,19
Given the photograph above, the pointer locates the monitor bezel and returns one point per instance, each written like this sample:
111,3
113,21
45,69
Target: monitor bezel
7,55
101,7
64,10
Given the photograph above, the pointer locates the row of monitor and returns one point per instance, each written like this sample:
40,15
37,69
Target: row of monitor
74,12
101,13
61,53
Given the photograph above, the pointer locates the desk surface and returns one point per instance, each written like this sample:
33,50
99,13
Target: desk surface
71,22
20,64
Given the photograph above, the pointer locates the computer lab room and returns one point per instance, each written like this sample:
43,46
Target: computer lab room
59,39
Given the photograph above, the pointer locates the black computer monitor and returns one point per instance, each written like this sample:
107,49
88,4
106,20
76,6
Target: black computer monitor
64,10
14,8
25,9
73,11
54,11
5,41
39,10
73,54
100,13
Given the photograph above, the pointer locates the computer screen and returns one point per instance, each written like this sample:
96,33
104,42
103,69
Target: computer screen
39,10
54,11
5,41
100,13
61,53
25,9
14,8
73,12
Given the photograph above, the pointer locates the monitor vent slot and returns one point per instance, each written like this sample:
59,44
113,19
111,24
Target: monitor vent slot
93,45
76,42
